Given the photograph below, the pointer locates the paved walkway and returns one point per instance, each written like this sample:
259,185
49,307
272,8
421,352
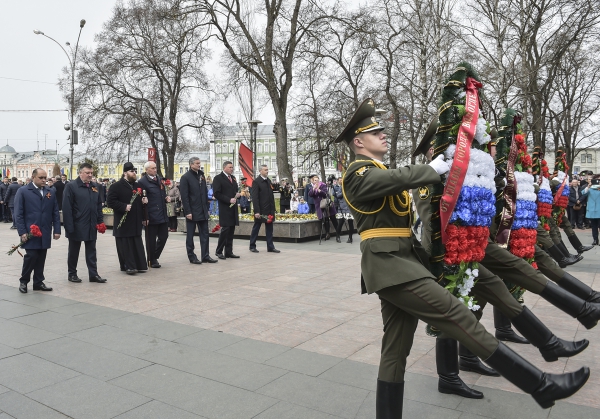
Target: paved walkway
265,336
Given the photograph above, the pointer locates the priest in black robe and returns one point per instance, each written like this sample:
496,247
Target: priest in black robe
128,236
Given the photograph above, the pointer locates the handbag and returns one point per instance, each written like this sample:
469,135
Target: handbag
577,207
325,203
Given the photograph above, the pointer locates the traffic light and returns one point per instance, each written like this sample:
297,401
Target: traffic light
75,137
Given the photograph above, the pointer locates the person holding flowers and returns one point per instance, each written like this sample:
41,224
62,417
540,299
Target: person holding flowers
83,219
226,191
38,221
263,207
125,198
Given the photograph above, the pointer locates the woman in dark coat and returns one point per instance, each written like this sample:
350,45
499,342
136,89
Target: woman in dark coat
319,192
130,247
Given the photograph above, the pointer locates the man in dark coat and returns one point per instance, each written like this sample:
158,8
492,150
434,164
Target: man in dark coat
576,202
128,235
82,213
157,230
225,190
308,198
60,188
263,204
285,195
9,198
194,197
36,204
3,207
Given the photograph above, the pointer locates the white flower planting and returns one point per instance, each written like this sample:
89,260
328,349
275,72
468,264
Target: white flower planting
481,170
525,187
481,134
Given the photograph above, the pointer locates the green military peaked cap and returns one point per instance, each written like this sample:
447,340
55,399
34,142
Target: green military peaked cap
363,120
427,140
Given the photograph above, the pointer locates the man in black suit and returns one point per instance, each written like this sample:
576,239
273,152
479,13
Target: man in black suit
60,188
194,197
3,207
82,214
158,221
263,204
225,189
9,199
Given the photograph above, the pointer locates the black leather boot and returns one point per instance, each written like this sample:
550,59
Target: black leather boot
576,243
446,358
388,401
468,361
569,258
588,314
550,346
558,256
544,388
578,288
504,330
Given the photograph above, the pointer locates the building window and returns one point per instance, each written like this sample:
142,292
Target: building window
217,148
273,147
181,170
259,148
231,147
586,158
589,158
259,162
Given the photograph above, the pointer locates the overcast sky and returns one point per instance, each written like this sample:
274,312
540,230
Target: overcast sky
33,57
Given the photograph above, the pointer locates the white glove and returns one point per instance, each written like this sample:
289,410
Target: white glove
439,165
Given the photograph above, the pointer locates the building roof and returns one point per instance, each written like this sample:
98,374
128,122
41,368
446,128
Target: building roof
7,149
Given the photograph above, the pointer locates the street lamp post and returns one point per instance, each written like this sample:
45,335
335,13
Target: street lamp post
253,130
72,63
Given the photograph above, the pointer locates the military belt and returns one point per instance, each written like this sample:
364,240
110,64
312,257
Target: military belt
385,232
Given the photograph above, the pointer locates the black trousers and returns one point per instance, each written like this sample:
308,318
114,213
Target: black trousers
576,216
311,208
283,208
156,238
173,222
595,224
90,257
189,242
33,261
245,210
226,240
268,233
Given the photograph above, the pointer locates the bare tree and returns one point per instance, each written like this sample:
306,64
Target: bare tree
146,71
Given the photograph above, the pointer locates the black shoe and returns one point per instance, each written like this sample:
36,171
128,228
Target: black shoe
388,400
23,288
232,256
327,236
504,330
274,251
544,388
578,288
142,271
468,361
97,279
337,239
155,264
595,243
550,346
208,259
220,255
587,313
569,259
576,243
131,271
446,358
349,240
196,261
74,278
41,287
253,250
13,227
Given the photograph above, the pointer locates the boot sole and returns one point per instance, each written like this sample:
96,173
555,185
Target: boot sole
466,395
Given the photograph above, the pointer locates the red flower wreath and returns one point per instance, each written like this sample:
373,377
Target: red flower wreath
465,244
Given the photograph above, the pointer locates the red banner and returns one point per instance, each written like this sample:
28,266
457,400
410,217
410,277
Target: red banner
458,171
560,190
246,159
152,154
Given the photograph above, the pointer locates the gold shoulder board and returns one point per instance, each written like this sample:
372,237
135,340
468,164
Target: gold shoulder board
362,171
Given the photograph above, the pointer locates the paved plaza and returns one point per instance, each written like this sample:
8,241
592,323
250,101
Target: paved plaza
267,336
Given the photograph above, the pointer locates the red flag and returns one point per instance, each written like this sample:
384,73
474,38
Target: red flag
246,159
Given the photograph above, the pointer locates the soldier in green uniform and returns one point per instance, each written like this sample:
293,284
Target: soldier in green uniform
488,288
392,266
558,251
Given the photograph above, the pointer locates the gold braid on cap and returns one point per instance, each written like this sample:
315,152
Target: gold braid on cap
358,131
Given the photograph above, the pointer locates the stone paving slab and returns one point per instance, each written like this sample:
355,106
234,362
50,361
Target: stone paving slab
264,336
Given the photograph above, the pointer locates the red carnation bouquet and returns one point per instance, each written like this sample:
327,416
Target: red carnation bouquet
101,228
268,219
216,228
34,231
135,193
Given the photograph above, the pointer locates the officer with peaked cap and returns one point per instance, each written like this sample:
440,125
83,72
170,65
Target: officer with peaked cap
393,266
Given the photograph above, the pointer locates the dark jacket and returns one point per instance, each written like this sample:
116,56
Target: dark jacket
308,198
263,200
224,190
82,210
3,190
119,196
157,195
318,195
60,189
285,195
11,192
33,208
573,197
194,195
